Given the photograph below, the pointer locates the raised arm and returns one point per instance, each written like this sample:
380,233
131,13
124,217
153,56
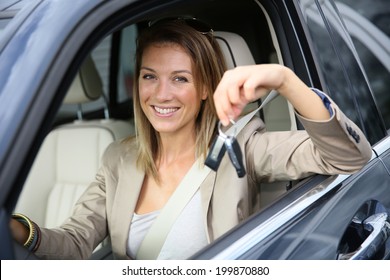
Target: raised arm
245,84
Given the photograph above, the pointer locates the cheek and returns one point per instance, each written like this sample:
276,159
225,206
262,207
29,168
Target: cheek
144,92
195,100
143,96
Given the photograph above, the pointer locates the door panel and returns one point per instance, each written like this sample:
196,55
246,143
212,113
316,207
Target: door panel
313,233
318,233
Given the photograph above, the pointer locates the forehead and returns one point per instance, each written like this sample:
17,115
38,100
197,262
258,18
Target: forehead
164,45
158,52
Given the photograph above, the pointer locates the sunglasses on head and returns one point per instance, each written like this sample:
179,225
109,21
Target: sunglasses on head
198,25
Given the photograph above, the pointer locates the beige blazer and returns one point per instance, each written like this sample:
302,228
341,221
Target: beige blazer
106,208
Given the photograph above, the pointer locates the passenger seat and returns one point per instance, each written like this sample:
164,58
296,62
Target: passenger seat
70,155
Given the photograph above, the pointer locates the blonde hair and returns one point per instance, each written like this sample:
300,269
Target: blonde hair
208,67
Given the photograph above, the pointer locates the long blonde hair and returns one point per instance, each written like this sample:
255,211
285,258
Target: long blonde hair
208,67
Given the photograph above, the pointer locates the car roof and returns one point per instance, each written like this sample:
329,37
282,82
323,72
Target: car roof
10,5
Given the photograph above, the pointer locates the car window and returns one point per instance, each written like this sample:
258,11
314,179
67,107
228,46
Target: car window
118,50
344,78
101,57
368,23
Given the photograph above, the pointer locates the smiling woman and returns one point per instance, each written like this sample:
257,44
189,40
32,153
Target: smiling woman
171,53
173,102
167,90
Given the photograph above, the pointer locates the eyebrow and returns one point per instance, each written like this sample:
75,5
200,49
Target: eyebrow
175,72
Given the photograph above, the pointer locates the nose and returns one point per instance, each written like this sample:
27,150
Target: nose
163,91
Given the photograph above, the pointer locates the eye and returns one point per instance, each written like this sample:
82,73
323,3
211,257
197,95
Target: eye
148,76
181,79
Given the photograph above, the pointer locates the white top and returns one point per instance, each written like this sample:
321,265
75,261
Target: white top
187,236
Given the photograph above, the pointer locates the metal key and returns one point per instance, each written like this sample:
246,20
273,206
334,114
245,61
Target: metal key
235,155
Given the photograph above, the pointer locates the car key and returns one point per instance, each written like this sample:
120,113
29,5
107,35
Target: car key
218,149
216,153
234,151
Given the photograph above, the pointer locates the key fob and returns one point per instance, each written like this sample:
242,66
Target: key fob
216,153
234,151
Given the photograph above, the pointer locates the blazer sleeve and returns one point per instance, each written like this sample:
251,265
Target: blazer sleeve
335,146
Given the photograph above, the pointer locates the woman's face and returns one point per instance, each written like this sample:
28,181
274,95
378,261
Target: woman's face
168,95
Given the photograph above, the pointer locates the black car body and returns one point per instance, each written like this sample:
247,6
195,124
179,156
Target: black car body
43,43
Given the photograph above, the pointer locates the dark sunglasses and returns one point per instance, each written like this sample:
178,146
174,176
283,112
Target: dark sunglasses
198,25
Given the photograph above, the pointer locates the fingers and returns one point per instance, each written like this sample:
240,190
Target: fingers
237,88
245,84
228,99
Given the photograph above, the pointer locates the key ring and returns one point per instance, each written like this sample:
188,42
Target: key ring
223,134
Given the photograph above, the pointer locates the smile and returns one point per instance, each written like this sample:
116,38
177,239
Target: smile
165,111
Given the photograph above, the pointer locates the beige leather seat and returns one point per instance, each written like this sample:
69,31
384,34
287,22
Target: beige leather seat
69,156
277,114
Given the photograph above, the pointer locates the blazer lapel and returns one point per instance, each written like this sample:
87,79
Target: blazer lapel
130,181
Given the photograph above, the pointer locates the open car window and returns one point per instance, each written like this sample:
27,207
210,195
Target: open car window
70,154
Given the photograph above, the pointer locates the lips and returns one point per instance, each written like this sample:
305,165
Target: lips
165,111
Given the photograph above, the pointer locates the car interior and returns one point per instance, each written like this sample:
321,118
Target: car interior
97,108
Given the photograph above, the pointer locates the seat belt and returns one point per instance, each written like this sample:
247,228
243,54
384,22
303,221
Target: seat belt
155,237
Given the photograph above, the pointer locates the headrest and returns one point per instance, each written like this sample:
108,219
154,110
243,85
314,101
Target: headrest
237,53
87,85
234,48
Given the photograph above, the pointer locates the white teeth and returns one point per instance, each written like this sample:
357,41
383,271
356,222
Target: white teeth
165,110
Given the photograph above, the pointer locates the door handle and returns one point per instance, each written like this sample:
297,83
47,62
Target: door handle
379,227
